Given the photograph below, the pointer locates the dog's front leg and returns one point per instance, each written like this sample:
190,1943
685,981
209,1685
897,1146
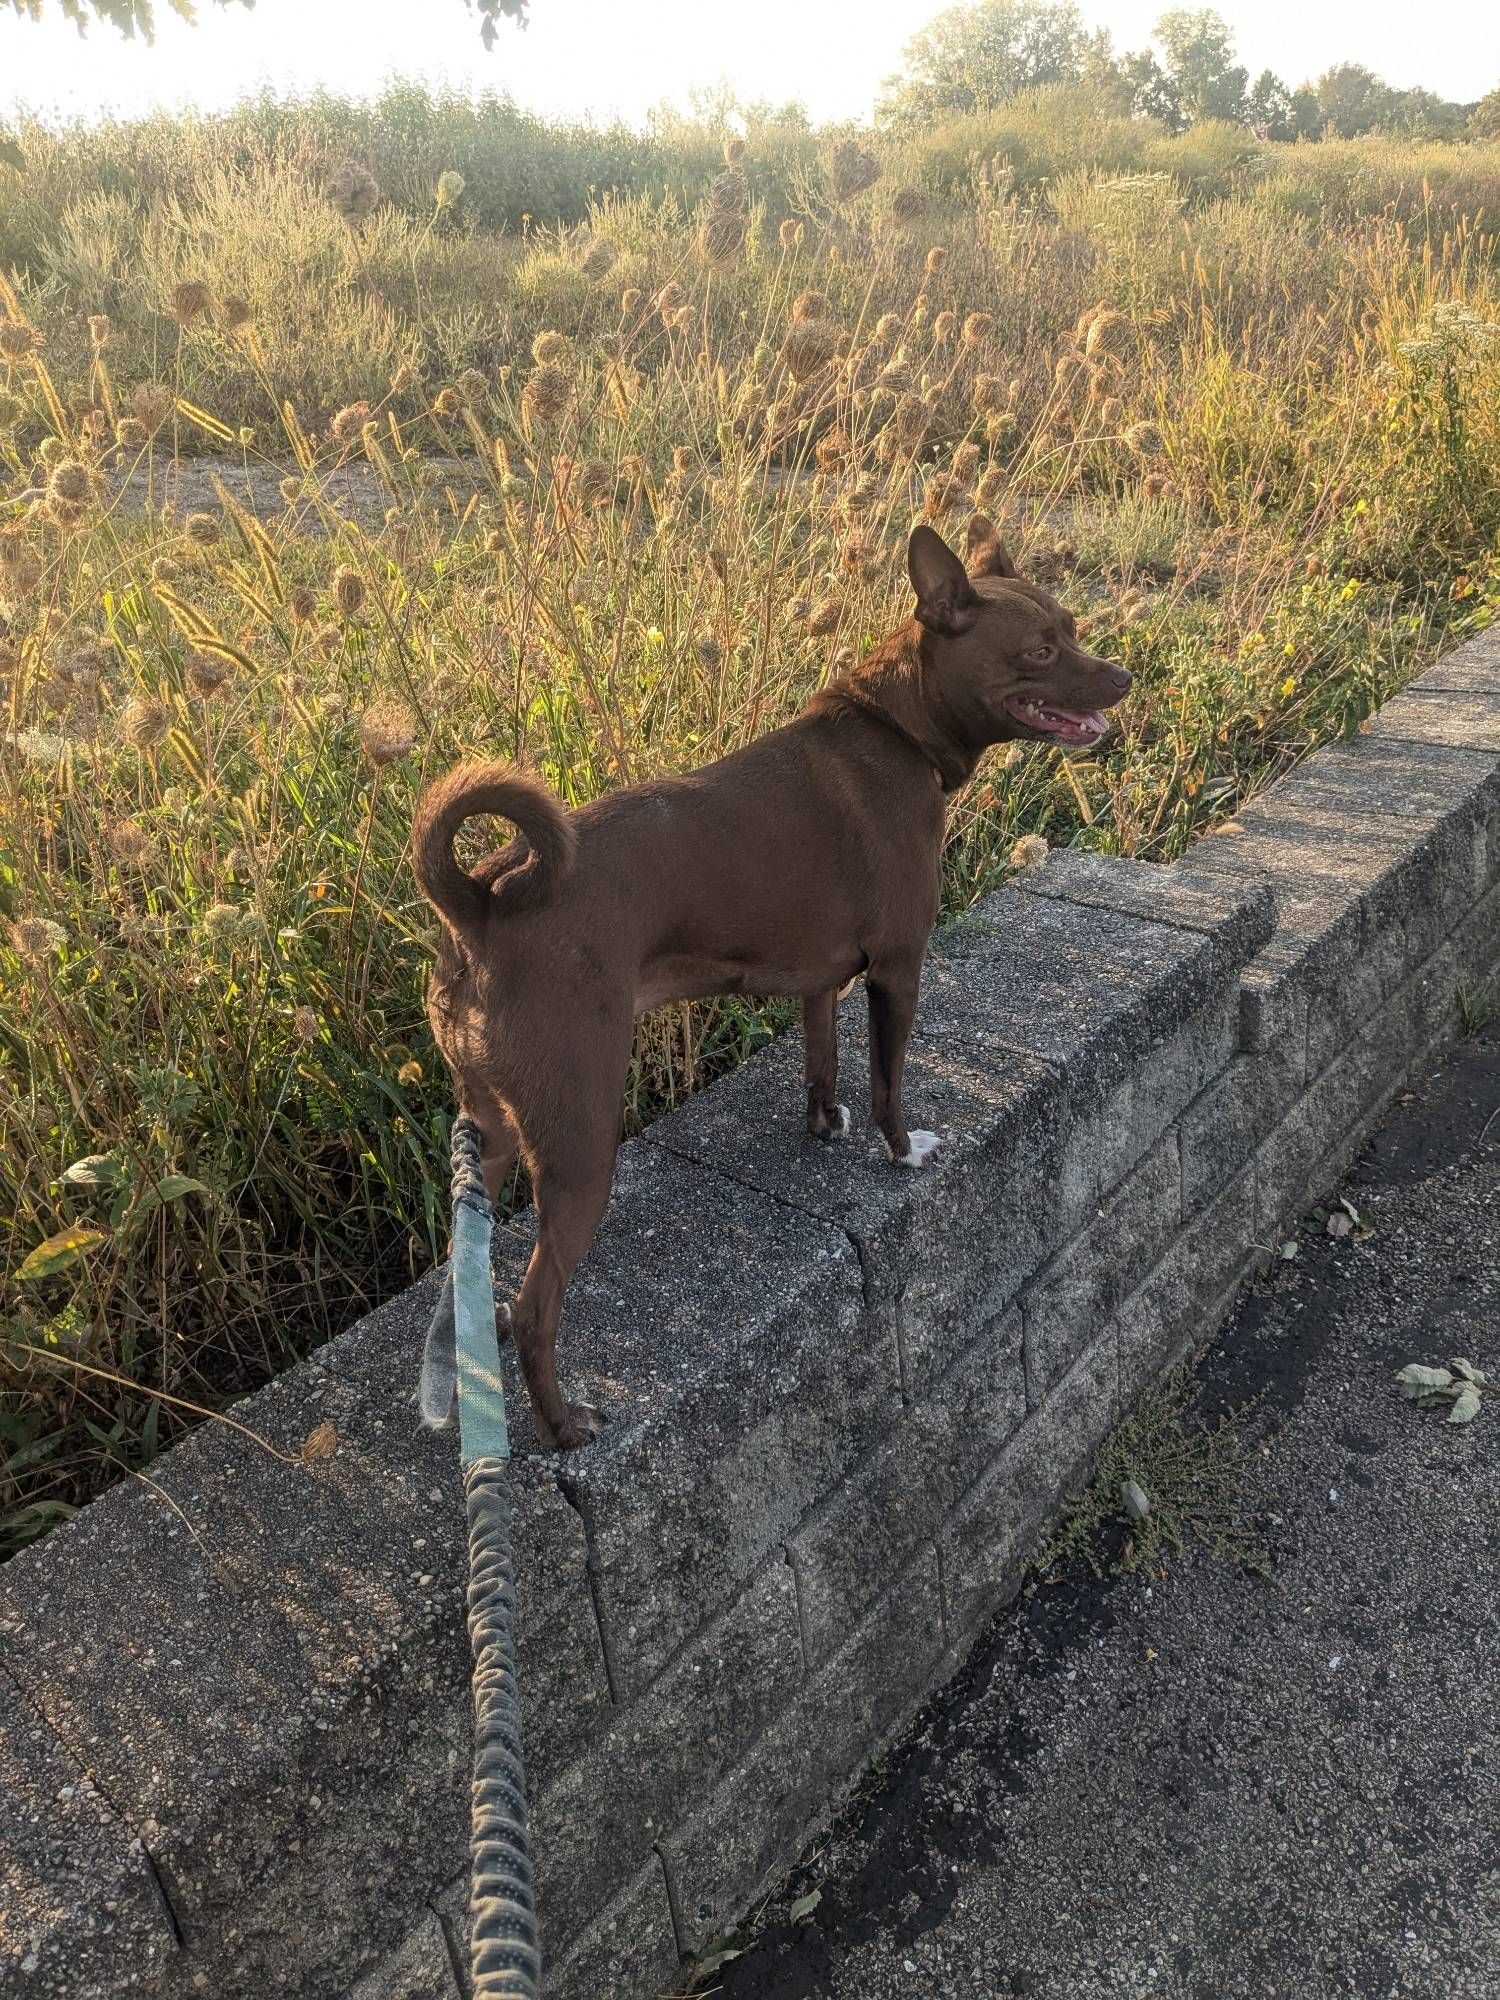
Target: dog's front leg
892,992
826,1117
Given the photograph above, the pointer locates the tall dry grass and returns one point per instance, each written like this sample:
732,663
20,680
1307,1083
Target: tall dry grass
643,484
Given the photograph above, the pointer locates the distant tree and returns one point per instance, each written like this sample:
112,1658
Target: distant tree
1100,71
1484,119
1307,119
972,58
1199,51
1270,108
1422,114
138,17
1352,99
1151,91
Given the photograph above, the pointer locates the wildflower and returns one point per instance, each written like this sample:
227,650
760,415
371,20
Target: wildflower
710,653
146,724
99,331
164,570
1067,372
596,483
887,329
630,300
546,395
669,298
409,1073
473,385
348,591
450,187
302,604
447,402
130,843
966,461
550,348
937,257
722,238
36,938
991,486
353,191
229,924
130,434
1107,331
910,422
944,327
18,341
387,732
942,493
202,528
207,674
70,481
790,234
190,299
734,151
306,1024
809,346
151,403
729,193
349,422
810,305
1030,851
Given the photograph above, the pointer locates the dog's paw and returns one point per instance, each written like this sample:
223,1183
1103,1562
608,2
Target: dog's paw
826,1126
502,1321
579,1427
920,1148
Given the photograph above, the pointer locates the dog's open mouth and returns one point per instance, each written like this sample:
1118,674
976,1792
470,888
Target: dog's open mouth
1067,725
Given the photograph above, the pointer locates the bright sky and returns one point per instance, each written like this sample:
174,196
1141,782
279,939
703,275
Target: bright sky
600,57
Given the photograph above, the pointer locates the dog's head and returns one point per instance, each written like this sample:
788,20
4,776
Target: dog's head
1005,654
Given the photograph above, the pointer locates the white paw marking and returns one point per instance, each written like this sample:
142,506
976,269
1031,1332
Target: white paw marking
841,1130
923,1146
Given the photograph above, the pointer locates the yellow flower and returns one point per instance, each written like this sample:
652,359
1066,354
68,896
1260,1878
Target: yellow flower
1289,686
656,635
1351,588
409,1072
1361,506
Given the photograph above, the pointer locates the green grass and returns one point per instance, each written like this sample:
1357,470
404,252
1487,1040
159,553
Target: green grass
1260,457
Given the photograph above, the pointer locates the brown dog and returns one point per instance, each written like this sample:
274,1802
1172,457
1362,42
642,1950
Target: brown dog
791,867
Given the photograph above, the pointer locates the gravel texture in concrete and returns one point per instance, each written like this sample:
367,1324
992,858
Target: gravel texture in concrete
1196,1783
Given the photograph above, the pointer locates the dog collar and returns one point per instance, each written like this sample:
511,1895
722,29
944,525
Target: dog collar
947,780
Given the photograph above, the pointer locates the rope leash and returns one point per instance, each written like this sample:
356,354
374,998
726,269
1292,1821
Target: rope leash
462,1361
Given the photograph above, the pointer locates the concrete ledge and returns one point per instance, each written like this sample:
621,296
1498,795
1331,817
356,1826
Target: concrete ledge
234,1706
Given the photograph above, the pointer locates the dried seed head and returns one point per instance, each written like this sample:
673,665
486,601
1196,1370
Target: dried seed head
202,528
851,169
235,312
151,403
991,486
349,422
550,348
937,257
348,591
721,239
1109,411
978,328
833,447
1144,438
37,938
630,300
353,191
729,193
306,1025
826,616
447,402
99,330
599,259
942,494
1157,486
809,346
669,298
146,724
944,327
207,674
710,653
810,305
70,481
911,420
896,379
1030,851
1107,332
909,205
1069,369
473,385
546,395
291,490
406,377
387,732
988,395
190,299
790,233
596,483
130,843
18,341
131,434
734,152
164,570
450,187
966,460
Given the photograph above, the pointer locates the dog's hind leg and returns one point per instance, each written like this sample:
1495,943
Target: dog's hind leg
892,991
826,1118
501,1135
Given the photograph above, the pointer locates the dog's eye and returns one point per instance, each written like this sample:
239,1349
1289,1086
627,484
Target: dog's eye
1040,655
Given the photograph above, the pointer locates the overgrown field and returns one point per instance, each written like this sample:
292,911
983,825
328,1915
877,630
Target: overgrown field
1255,440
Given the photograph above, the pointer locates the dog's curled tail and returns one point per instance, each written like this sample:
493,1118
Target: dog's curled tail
459,898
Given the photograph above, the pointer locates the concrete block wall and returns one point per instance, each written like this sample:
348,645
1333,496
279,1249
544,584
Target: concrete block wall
234,1710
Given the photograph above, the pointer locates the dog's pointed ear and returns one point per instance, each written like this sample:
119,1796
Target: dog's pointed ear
945,601
986,552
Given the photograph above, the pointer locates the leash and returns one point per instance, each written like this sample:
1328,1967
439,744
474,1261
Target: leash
461,1362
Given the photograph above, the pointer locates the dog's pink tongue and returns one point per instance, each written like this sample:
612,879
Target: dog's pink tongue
1093,723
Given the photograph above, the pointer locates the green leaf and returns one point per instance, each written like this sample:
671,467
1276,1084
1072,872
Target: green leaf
1137,1506
804,1906
59,1253
1469,1372
93,1170
172,1187
1465,1405
1417,1381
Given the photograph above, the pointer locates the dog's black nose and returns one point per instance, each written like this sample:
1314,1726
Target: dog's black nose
1117,676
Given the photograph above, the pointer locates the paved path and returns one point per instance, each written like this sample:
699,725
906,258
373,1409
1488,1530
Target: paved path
1206,1786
